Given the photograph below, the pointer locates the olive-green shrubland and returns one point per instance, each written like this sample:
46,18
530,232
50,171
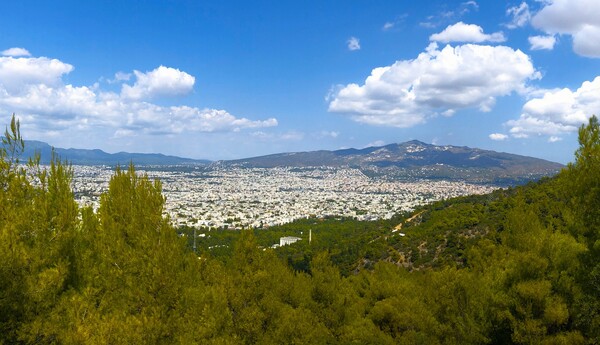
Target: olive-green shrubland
519,265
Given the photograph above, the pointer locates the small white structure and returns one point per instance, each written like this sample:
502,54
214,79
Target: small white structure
283,241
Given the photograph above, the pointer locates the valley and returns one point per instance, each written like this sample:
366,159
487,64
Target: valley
238,198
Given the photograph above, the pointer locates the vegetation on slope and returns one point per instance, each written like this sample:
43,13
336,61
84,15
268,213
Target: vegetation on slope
516,266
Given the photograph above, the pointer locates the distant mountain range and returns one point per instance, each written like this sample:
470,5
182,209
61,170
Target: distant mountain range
406,161
99,157
415,160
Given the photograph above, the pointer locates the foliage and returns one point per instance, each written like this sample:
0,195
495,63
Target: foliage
519,265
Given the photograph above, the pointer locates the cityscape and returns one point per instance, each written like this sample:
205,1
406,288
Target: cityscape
300,172
236,198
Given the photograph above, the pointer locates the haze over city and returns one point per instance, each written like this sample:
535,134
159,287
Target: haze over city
232,79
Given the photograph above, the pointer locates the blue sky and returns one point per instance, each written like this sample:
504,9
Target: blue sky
232,79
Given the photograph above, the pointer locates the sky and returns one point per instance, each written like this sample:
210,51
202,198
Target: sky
233,79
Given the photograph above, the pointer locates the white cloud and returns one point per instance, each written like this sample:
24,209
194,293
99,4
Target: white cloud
542,42
330,134
388,26
449,16
122,76
278,137
123,133
292,136
16,74
14,52
119,78
520,16
498,136
353,43
428,25
162,81
525,126
578,18
558,111
184,118
261,135
376,143
554,139
437,81
461,32
397,21
34,89
471,3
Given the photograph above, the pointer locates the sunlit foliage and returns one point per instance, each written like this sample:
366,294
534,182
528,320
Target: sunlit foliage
516,266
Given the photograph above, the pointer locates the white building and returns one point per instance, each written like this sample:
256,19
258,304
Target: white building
283,241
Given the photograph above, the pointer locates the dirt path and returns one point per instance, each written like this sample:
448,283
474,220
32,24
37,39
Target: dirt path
399,226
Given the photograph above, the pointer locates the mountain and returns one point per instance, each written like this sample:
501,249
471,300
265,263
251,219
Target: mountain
412,160
99,157
416,160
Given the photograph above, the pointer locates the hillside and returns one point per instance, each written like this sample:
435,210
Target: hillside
416,160
518,266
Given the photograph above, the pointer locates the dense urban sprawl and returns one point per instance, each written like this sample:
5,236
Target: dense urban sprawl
256,197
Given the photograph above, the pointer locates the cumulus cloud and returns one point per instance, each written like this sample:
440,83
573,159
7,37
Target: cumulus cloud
461,32
437,81
388,26
498,136
578,18
16,74
542,42
210,120
34,88
557,112
520,16
162,81
15,52
353,43
526,125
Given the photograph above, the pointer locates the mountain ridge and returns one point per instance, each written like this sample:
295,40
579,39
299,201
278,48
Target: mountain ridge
415,160
99,157
408,160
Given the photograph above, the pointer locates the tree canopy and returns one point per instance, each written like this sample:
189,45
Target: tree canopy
520,265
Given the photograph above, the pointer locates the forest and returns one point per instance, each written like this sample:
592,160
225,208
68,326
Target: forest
517,266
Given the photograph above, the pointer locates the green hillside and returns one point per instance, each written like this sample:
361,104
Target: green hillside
517,266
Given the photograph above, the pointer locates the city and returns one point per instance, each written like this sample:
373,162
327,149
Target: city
238,198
